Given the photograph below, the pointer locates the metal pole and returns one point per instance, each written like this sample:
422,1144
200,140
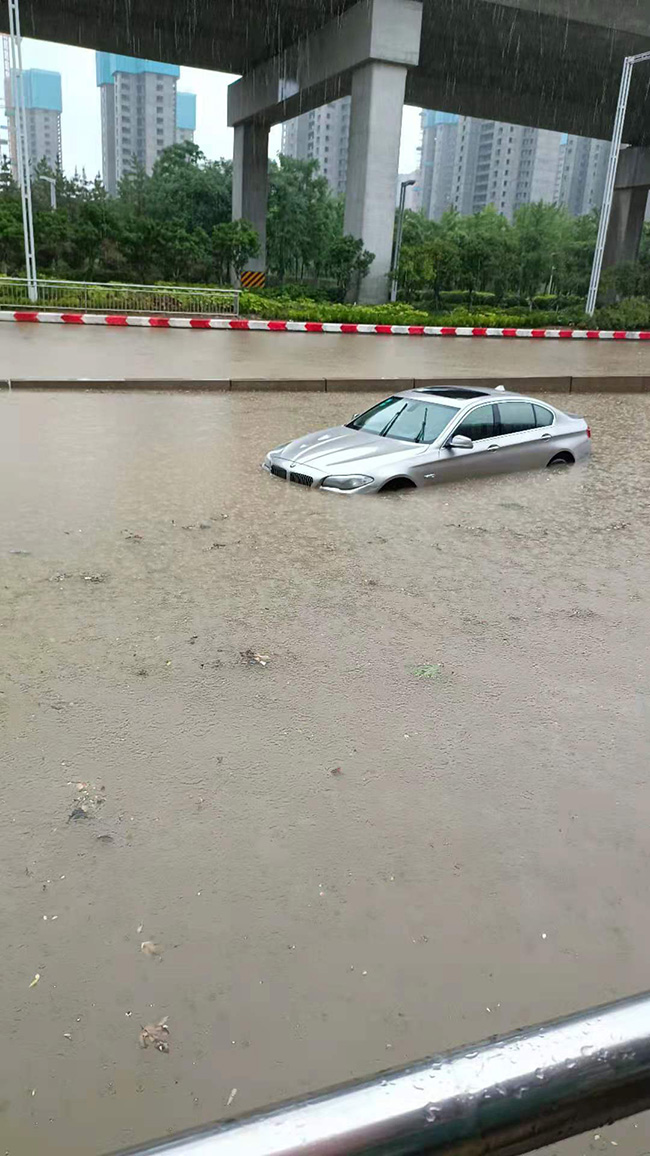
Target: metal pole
52,183
398,239
22,147
610,179
509,1095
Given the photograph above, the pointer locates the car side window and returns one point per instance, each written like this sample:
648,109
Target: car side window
478,424
516,416
543,416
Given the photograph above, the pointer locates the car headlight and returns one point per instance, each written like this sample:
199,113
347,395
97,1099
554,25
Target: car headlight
351,482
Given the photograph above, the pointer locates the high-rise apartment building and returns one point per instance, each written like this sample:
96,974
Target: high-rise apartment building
437,161
43,106
140,111
468,164
581,174
322,135
185,117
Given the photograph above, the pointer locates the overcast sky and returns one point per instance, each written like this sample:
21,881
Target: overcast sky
81,126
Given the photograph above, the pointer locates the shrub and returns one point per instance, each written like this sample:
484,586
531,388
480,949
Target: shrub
305,309
544,301
454,296
630,313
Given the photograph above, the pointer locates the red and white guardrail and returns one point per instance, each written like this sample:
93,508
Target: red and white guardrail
134,320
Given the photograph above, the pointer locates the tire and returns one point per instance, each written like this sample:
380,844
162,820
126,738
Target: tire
560,460
396,484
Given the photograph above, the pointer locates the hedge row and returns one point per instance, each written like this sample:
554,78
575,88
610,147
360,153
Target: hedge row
632,313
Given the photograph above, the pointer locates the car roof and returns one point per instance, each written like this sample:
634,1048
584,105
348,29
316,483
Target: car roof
462,395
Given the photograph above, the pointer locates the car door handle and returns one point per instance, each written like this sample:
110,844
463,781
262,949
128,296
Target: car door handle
491,448
545,438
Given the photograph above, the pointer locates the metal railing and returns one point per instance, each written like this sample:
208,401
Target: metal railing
534,1087
117,297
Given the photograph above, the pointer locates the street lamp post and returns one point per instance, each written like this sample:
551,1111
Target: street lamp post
22,147
52,183
610,179
398,238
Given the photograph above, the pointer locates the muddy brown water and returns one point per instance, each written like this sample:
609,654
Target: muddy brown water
480,862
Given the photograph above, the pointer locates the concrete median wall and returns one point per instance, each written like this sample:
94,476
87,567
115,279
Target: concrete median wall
382,385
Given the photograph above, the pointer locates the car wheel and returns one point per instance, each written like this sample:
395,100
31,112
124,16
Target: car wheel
560,460
397,484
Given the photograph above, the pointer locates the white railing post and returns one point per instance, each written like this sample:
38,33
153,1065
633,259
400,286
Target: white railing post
22,147
610,180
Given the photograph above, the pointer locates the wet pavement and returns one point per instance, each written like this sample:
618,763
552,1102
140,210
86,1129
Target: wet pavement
342,864
61,351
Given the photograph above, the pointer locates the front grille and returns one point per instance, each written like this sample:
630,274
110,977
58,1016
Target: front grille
301,479
278,471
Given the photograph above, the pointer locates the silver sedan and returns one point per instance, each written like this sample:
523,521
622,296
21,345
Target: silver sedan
435,434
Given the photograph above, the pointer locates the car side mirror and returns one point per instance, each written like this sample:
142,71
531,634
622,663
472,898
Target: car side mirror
460,442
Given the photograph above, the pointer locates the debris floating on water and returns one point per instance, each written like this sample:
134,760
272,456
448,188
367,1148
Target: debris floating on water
253,658
231,1097
35,979
156,1035
150,948
428,670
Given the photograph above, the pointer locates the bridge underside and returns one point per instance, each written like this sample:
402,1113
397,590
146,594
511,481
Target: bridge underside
552,63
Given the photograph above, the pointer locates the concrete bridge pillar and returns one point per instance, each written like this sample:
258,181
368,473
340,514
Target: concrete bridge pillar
367,51
250,180
373,159
628,207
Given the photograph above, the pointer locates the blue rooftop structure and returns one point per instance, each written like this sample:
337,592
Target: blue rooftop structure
108,63
42,89
431,118
186,110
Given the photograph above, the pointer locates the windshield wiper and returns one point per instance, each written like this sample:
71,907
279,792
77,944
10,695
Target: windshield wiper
420,437
391,423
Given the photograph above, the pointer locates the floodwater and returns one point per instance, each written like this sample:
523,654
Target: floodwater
61,351
478,861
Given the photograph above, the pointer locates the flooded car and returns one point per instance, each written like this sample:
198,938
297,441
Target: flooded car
434,434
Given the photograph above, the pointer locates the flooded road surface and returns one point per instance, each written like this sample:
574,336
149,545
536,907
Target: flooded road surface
345,864
61,351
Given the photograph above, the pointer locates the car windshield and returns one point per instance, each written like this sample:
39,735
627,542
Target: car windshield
404,420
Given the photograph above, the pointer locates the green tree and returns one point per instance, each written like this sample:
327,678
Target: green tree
186,188
233,245
348,263
302,217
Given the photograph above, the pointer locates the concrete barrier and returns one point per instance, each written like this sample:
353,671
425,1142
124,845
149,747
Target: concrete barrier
266,384
627,384
376,385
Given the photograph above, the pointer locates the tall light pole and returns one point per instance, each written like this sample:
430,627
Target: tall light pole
22,147
608,195
52,183
398,239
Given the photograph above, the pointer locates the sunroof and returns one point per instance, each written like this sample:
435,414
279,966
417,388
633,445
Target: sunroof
458,391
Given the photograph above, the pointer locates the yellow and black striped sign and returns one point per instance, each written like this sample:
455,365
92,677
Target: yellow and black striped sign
253,279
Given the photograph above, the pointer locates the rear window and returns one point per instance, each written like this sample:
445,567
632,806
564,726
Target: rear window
543,416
